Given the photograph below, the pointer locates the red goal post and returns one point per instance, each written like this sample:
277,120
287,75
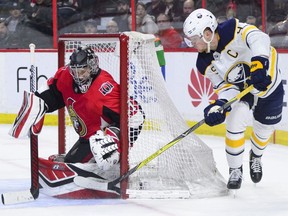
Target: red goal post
61,62
62,139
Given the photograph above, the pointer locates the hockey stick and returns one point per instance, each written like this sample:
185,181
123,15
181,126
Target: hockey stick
98,184
33,193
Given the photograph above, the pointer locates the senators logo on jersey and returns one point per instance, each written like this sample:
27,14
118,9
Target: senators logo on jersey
77,122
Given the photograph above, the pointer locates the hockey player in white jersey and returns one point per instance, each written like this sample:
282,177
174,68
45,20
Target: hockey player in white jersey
234,55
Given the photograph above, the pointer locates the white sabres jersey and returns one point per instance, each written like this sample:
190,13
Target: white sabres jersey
228,67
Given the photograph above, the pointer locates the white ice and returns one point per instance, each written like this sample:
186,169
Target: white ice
269,197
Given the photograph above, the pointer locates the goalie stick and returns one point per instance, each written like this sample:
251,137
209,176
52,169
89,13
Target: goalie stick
99,184
33,193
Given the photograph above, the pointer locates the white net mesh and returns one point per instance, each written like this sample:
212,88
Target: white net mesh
185,170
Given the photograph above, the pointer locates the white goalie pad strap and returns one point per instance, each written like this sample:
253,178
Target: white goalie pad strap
31,115
104,147
93,184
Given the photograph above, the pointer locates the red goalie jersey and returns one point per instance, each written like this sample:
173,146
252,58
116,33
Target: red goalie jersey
88,112
92,99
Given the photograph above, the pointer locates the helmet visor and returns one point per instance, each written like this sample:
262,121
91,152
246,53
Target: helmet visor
82,77
192,41
80,74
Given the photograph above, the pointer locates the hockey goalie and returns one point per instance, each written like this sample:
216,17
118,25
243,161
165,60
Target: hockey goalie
92,98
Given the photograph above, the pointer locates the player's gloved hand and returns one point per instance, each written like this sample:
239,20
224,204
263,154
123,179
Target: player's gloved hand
213,116
105,147
259,78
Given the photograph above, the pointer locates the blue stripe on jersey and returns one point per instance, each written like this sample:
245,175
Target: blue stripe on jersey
227,31
203,61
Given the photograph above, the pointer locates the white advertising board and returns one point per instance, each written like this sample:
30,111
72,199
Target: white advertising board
15,76
187,88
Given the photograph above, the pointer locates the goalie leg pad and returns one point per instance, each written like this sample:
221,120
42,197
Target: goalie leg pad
57,180
31,115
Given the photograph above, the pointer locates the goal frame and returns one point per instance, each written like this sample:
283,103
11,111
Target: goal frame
123,39
134,64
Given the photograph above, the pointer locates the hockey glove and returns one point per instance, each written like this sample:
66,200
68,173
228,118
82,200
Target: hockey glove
214,115
259,78
105,147
30,116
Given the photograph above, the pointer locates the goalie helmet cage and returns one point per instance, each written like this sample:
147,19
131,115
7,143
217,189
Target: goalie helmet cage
188,169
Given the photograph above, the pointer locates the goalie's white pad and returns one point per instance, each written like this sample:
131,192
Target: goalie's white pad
57,180
31,115
105,147
136,115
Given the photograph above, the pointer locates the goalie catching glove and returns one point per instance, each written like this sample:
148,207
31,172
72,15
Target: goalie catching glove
259,78
30,116
105,147
213,113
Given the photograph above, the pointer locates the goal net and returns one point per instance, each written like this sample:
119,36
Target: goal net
187,169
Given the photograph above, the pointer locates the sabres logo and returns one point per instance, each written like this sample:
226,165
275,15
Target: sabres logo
238,73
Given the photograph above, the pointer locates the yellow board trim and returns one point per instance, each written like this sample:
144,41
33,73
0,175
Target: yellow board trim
280,136
50,119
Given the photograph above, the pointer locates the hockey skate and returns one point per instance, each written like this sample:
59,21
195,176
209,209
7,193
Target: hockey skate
235,178
255,167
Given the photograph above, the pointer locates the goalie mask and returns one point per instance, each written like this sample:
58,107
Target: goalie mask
84,65
195,25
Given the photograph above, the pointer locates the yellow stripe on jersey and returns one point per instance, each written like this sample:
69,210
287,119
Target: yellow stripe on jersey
272,69
235,31
235,143
247,30
259,142
225,86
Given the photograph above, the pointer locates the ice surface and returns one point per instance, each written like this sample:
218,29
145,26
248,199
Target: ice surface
269,197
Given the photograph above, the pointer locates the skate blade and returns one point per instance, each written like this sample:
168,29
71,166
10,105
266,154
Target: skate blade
233,192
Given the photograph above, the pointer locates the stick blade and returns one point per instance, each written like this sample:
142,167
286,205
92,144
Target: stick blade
17,197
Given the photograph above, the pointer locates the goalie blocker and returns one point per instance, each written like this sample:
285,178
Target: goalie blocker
30,116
